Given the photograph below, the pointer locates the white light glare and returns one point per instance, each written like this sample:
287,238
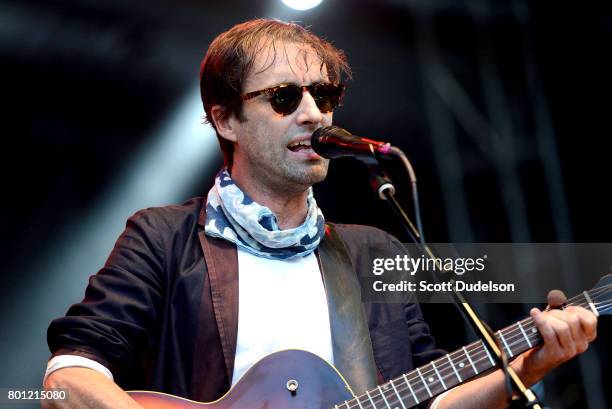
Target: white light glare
302,4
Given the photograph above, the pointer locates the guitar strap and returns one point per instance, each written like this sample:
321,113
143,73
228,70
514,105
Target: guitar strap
352,347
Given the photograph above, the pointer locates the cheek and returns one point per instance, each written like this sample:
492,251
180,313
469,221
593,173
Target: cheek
267,134
266,139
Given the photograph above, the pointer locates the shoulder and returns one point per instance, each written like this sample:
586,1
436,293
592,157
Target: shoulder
171,216
161,234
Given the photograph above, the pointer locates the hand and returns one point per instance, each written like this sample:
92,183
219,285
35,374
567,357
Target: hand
566,333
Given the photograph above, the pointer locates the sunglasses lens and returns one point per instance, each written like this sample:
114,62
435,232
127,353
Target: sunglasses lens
285,99
327,96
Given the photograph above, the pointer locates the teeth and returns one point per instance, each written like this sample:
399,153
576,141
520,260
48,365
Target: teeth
301,143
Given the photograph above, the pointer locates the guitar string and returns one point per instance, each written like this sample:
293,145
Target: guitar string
527,322
477,353
479,348
511,336
473,349
444,374
516,336
516,332
418,388
512,340
403,389
605,306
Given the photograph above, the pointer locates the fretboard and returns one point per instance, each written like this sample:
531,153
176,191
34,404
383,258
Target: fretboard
452,369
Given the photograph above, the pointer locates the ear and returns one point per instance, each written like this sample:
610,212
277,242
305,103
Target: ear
226,126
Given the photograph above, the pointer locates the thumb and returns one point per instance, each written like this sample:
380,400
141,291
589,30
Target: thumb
556,298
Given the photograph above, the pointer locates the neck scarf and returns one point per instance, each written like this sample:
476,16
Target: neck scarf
232,215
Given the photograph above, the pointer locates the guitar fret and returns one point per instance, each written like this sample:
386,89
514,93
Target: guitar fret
501,336
463,367
433,364
424,383
534,335
399,398
531,338
383,396
453,366
358,403
588,298
371,401
470,359
488,354
410,387
438,378
524,334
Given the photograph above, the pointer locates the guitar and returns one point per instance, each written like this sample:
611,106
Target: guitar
296,379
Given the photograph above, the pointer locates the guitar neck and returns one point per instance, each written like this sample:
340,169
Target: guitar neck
454,368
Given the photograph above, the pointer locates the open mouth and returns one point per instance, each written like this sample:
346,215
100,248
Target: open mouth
299,146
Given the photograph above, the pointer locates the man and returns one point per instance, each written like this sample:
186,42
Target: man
168,312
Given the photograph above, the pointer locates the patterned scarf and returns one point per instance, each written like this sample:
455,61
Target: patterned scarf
232,215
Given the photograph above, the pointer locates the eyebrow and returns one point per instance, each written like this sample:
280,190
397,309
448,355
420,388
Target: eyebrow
287,81
298,83
289,78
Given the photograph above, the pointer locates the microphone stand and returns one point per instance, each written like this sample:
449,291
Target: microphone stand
383,187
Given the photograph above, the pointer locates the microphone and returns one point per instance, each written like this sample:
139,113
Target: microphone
333,142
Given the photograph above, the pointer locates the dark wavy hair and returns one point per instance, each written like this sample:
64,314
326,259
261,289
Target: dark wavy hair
231,55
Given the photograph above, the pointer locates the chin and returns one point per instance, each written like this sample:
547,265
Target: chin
313,175
304,174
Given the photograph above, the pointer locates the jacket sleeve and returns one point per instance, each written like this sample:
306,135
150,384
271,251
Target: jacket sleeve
116,323
422,343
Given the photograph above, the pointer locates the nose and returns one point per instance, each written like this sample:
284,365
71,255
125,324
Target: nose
308,112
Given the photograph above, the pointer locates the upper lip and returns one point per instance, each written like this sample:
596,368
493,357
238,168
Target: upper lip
305,139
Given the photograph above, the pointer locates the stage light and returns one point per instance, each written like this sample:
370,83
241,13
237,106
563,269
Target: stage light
179,153
301,4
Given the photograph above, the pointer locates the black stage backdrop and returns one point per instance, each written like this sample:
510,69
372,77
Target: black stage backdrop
503,108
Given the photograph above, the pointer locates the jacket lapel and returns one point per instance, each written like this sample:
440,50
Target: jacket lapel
221,260
352,347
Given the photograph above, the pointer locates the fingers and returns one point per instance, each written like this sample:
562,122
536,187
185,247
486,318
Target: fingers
588,321
565,332
572,338
559,344
582,324
546,330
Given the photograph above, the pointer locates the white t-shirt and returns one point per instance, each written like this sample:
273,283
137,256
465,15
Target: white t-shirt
282,305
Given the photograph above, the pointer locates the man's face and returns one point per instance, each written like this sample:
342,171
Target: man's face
265,147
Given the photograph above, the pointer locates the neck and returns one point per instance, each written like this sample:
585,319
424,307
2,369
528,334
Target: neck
288,205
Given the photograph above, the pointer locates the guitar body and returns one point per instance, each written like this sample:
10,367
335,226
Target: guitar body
264,386
320,386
